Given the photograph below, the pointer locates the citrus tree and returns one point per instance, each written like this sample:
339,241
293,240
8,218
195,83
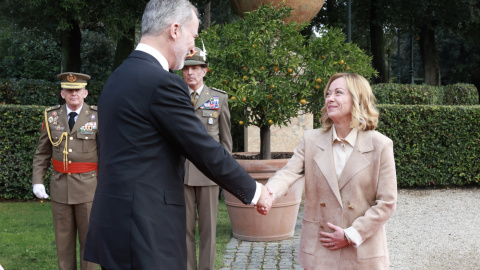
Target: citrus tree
269,69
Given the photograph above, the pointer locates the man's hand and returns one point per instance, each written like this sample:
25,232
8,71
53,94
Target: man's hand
39,191
265,201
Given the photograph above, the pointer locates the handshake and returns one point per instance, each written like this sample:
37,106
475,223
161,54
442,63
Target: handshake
264,203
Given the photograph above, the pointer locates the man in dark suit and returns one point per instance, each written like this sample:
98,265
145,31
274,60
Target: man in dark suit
148,129
201,193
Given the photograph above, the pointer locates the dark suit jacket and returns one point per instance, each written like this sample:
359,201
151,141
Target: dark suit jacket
148,128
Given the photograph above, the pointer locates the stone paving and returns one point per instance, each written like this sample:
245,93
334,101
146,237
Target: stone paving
281,255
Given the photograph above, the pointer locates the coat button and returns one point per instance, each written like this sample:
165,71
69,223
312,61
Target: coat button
350,206
69,162
322,204
69,173
86,138
70,150
71,138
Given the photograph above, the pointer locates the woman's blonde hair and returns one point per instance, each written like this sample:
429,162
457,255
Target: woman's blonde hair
364,113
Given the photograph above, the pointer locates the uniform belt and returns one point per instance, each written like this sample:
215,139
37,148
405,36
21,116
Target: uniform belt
74,167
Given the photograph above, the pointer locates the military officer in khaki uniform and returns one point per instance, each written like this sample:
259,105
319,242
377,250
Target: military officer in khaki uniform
201,194
73,154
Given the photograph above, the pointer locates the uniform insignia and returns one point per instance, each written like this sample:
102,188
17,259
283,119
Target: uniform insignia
218,90
71,78
59,128
54,113
50,119
88,128
211,104
93,107
215,114
53,108
92,117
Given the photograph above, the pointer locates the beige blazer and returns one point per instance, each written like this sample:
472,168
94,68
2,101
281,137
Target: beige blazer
217,123
82,147
364,197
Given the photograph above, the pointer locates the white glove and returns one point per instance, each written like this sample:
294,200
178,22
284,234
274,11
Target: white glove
39,191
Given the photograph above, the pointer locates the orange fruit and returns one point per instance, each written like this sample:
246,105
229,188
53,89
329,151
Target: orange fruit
317,86
262,68
270,122
276,69
233,98
244,68
303,101
323,57
270,96
244,99
272,86
240,123
318,80
244,77
290,70
348,67
341,62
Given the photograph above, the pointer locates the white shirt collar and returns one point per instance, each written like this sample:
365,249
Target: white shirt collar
77,111
199,90
351,137
153,52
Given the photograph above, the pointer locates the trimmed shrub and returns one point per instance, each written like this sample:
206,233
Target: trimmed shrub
434,145
460,94
408,94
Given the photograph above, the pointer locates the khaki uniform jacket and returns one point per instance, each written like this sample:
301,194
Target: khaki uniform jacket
364,197
217,123
81,147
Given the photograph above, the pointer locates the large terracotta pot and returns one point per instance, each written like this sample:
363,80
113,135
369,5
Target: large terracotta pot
303,10
279,224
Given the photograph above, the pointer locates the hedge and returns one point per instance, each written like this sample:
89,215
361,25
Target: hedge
414,94
434,145
40,92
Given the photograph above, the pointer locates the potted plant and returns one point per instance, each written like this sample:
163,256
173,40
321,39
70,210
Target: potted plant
271,72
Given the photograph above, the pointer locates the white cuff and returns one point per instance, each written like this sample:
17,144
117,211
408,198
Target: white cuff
258,192
354,236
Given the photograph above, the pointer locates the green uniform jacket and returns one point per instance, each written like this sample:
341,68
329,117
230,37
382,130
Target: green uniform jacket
217,121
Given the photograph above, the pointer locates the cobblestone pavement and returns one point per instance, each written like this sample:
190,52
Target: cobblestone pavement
281,255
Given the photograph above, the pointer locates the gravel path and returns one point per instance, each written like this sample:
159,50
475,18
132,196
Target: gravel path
435,230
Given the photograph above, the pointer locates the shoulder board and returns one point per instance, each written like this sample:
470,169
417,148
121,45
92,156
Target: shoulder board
93,107
218,90
53,108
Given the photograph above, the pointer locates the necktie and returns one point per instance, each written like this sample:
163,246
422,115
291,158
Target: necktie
194,98
71,119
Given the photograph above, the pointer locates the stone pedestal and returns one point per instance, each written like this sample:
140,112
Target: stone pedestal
283,139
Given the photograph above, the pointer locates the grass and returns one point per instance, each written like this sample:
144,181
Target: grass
27,239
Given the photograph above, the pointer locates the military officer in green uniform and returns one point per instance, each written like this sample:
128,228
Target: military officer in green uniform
201,194
68,141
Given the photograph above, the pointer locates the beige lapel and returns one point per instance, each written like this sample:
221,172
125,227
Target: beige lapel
82,118
204,97
357,161
62,120
324,160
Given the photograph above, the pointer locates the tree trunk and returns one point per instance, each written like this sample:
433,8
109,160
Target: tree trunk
125,46
71,39
428,51
265,152
475,75
207,18
377,42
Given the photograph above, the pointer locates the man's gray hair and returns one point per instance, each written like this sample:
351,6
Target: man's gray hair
160,14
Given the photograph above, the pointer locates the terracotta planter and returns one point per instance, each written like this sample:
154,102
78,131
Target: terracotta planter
279,224
303,10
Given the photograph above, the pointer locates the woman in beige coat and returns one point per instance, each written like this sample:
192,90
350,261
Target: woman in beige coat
350,181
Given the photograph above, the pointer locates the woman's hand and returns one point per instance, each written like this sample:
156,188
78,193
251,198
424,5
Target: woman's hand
334,240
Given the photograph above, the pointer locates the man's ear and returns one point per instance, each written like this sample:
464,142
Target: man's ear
62,93
175,31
